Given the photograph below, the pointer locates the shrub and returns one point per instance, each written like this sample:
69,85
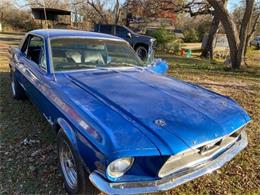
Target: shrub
166,40
173,46
191,35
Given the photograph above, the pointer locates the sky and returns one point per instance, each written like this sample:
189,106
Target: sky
231,3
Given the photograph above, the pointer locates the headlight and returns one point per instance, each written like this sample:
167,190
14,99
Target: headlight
119,167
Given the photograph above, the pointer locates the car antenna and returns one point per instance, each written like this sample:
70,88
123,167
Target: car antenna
48,35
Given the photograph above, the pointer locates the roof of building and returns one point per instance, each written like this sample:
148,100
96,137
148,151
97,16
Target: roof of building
51,13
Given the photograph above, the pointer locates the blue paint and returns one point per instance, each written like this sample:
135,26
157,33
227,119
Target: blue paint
110,113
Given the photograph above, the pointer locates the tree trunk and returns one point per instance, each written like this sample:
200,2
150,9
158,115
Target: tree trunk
251,33
208,49
236,42
230,29
243,30
116,12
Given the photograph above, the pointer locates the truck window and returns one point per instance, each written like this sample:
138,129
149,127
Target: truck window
106,29
96,29
121,32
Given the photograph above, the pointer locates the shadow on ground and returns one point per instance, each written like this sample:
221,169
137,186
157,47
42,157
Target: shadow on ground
28,148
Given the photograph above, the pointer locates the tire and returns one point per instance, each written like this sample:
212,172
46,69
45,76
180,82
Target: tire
258,46
82,184
17,90
142,52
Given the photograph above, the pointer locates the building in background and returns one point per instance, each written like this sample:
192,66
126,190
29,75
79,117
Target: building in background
52,18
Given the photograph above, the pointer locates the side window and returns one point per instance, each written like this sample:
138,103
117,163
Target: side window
106,29
121,31
25,44
35,51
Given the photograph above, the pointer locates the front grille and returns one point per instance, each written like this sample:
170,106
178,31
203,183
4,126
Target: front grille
198,156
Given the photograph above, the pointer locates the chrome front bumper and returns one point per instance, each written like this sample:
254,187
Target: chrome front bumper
169,181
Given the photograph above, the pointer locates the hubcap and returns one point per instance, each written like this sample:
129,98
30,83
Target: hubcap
68,165
142,53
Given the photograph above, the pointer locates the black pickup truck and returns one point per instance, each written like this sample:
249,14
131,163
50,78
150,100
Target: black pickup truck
140,43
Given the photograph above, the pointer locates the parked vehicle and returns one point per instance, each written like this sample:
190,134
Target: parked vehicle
119,124
140,43
256,42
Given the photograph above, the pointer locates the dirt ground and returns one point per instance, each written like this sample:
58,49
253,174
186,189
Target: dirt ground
27,144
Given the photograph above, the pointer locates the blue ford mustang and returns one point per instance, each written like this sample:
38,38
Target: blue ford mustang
122,126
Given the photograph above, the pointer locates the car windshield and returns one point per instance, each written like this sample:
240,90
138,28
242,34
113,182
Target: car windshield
84,53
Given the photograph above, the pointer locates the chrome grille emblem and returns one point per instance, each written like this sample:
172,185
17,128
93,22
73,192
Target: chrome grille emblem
209,147
160,122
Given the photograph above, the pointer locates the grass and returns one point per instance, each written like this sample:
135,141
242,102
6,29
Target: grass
32,168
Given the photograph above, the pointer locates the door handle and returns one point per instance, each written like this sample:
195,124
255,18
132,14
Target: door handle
19,64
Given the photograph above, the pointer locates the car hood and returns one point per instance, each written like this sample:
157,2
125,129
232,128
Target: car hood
164,106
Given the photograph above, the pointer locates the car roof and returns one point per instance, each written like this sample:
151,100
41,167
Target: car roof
52,33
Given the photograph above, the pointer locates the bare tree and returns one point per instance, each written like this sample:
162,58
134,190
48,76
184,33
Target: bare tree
208,49
117,11
100,11
61,4
13,18
236,40
98,7
154,8
253,25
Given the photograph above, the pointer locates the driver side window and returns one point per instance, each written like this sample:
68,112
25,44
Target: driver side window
35,51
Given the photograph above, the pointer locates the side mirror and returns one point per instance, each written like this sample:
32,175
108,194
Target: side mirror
16,59
129,35
15,52
159,66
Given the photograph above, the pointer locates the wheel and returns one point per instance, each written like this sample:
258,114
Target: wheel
258,46
74,175
142,52
17,90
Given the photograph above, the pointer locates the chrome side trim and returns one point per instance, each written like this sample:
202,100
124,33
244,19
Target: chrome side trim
169,181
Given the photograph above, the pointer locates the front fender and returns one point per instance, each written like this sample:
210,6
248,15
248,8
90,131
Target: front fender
71,135
69,132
